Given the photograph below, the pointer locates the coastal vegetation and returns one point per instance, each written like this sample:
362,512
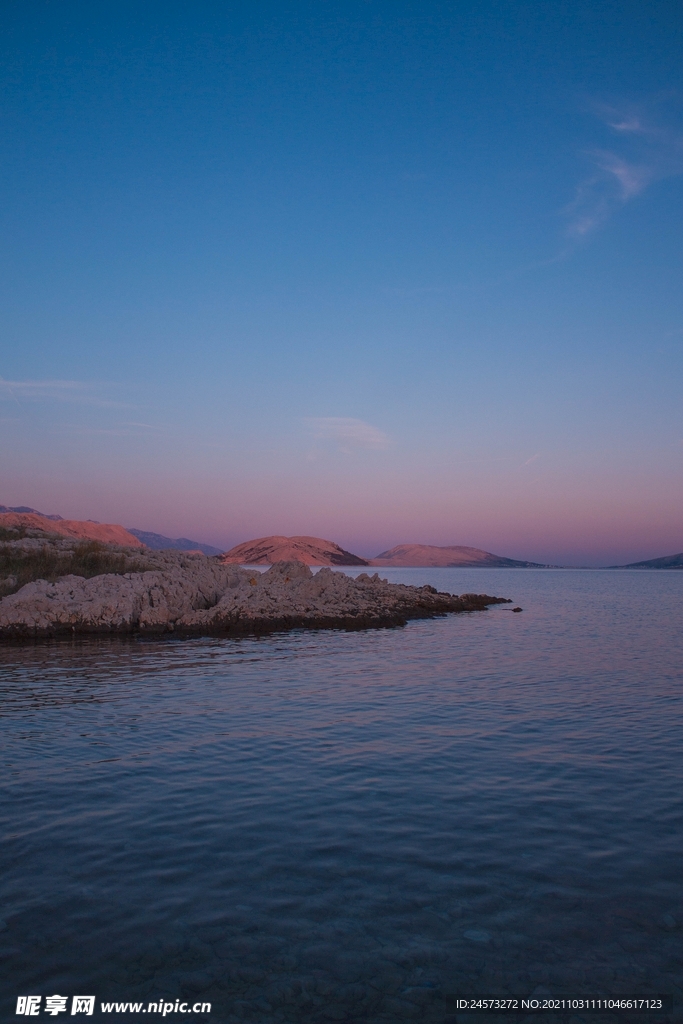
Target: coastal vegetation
43,560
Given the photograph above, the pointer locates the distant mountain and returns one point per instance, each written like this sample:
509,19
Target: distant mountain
428,555
106,533
309,550
25,509
667,562
157,542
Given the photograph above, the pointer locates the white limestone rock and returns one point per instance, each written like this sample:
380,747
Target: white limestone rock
196,594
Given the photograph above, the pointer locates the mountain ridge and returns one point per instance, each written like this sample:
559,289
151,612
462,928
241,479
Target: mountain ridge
25,510
158,542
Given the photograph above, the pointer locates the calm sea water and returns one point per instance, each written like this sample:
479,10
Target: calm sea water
354,826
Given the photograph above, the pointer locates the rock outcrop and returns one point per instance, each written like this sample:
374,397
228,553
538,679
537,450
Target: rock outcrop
194,594
426,555
106,533
309,550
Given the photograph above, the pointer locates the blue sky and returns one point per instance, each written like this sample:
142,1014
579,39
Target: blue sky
374,272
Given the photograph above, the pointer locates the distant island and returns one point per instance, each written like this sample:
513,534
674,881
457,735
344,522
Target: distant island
309,550
428,555
315,551
667,562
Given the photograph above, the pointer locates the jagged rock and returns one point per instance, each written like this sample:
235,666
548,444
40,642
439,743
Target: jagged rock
194,594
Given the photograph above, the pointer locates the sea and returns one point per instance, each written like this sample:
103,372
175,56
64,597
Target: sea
370,826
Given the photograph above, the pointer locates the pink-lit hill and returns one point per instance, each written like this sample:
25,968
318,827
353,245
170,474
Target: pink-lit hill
309,550
106,533
428,555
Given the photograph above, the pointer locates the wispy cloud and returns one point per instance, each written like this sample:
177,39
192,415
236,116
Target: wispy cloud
349,434
78,391
41,388
532,459
648,147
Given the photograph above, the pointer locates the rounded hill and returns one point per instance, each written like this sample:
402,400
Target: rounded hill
309,550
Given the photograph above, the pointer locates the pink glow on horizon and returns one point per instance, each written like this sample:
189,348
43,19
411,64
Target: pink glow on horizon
564,524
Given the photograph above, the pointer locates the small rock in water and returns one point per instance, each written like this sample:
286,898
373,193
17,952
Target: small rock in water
668,921
477,935
517,609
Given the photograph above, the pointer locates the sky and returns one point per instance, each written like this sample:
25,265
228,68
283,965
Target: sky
377,272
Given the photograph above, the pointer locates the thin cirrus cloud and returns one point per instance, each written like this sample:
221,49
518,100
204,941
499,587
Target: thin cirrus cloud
77,391
649,148
41,388
349,434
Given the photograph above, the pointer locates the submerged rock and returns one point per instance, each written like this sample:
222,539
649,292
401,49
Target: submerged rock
189,593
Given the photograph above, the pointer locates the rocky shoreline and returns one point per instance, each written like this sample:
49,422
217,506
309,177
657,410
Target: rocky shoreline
190,594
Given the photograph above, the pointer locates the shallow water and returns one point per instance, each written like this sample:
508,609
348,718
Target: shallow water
354,826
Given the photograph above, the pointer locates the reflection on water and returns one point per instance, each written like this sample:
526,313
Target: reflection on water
354,826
